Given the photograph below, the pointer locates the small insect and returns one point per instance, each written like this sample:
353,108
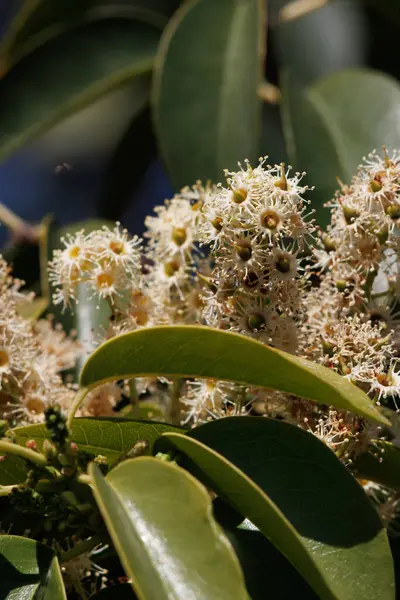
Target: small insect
62,168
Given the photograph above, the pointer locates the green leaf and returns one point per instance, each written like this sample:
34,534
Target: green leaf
29,570
295,490
13,470
108,436
261,563
381,464
160,520
51,84
193,351
206,110
38,21
332,124
308,45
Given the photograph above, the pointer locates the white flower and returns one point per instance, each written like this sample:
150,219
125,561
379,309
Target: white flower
108,260
116,248
172,231
386,385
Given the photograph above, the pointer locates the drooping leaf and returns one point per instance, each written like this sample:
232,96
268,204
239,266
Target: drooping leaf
332,124
304,500
29,570
160,520
51,84
308,45
38,21
206,109
266,570
380,464
193,351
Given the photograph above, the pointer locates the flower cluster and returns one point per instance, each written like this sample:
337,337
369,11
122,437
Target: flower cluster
107,261
258,231
244,256
32,356
351,323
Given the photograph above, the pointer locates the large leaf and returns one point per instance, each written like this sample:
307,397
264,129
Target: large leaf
29,570
308,46
381,464
70,73
193,351
160,520
333,123
262,562
38,21
295,490
206,109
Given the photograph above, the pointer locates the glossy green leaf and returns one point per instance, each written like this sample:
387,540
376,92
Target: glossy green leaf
29,570
266,570
308,46
52,84
381,464
332,124
206,109
193,351
304,500
160,520
38,21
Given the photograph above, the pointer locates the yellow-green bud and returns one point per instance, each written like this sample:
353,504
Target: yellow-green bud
243,250
239,194
283,264
179,235
256,321
217,223
329,243
393,211
350,214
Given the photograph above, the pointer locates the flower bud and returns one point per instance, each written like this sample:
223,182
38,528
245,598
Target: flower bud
256,322
217,223
393,211
179,235
243,250
350,214
239,194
